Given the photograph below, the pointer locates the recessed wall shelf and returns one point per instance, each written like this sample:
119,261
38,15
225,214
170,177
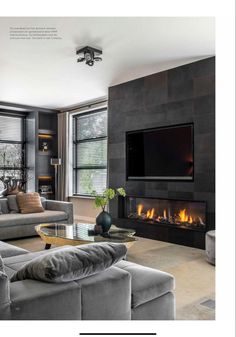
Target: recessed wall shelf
47,149
41,130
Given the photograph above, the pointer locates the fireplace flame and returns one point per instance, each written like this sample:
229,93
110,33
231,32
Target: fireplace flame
150,213
184,217
140,209
164,214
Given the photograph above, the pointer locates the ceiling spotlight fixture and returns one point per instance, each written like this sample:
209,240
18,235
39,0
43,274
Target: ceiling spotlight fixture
89,55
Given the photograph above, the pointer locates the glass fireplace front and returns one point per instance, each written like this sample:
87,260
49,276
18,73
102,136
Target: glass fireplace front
178,213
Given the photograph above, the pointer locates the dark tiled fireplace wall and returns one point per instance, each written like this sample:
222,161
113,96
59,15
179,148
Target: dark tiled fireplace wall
185,94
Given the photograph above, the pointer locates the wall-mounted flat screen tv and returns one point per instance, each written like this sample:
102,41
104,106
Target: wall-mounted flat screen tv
164,153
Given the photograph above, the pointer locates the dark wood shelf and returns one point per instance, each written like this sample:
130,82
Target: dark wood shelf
46,132
45,177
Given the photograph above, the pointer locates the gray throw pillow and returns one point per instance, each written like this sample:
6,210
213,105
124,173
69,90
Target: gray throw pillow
12,204
72,263
4,285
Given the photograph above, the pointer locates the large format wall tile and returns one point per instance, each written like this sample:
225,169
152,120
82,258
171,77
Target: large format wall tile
184,94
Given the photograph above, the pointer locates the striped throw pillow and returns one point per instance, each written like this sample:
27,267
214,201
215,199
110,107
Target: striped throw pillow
29,203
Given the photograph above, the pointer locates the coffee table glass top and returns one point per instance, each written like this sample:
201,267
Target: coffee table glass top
83,232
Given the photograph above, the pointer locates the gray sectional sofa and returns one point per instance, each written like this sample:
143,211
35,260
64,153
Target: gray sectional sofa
16,225
122,292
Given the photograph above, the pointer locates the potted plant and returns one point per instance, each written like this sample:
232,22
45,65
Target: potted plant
101,200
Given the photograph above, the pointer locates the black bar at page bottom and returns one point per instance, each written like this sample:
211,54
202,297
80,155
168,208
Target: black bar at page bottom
118,334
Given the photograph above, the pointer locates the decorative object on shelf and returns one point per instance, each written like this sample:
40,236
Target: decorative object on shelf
104,218
45,146
14,185
45,189
89,55
56,162
45,143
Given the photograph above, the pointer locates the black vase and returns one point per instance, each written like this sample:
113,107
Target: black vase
104,220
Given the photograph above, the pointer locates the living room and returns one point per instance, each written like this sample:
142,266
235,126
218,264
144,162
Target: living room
124,124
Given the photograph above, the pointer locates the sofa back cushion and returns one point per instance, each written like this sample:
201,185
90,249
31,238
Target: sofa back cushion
4,285
29,203
72,263
4,206
12,204
43,202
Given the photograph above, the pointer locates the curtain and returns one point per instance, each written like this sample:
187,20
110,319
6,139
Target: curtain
64,154
65,148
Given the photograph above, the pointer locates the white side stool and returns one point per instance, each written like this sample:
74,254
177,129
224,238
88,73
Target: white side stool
210,247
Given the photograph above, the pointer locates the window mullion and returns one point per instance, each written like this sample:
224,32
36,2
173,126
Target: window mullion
91,139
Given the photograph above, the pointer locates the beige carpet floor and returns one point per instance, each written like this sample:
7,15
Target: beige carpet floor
195,278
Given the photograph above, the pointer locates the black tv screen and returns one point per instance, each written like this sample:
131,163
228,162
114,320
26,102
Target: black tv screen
164,153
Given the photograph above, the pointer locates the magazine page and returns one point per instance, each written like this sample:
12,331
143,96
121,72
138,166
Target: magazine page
117,169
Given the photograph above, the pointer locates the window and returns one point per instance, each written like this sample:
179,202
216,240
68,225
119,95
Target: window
90,152
12,147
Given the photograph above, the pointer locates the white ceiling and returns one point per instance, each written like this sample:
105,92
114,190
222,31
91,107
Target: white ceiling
45,72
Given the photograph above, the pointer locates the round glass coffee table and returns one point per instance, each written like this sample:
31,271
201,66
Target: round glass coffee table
80,234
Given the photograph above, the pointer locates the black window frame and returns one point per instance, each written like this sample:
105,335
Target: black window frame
21,168
76,142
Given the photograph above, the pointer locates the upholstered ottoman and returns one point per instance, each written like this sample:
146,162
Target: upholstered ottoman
210,247
152,295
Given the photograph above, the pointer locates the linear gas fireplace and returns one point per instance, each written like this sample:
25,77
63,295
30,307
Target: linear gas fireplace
183,214
177,221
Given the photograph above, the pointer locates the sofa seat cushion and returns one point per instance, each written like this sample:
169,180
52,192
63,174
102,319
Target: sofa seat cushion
32,218
7,250
146,283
